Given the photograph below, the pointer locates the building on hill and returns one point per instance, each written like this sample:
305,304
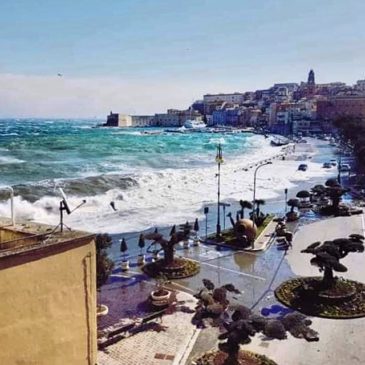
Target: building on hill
234,98
341,106
48,295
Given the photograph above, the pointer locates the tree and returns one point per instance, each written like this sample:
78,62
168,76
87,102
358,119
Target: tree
303,194
319,190
213,305
293,203
353,132
327,255
245,204
123,247
258,203
334,191
167,246
104,265
141,242
173,230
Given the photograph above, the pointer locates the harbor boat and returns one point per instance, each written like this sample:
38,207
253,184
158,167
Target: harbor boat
194,124
277,142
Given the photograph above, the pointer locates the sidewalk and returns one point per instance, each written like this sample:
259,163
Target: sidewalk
341,341
168,347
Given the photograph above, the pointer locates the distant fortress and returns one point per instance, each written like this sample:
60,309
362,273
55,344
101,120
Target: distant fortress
173,118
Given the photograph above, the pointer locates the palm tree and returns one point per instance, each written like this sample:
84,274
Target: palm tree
245,204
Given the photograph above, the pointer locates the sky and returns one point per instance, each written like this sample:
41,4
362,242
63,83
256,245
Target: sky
144,56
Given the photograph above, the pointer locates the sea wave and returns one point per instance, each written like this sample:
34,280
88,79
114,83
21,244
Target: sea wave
4,160
154,198
79,187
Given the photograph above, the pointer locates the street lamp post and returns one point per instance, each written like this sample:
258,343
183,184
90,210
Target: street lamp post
219,160
254,189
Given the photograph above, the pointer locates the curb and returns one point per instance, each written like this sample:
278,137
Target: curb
182,356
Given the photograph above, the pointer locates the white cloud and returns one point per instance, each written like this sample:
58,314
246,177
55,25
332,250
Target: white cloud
64,97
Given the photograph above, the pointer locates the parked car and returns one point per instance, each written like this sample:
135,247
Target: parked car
345,167
303,167
327,165
333,162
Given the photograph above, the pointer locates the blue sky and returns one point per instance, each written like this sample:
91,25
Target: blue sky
114,53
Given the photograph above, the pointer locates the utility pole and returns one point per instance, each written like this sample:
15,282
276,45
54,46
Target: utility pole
219,160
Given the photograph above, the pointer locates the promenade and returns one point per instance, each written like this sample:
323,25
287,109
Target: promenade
256,274
341,341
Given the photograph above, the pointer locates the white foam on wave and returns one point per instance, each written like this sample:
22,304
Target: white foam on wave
4,160
171,196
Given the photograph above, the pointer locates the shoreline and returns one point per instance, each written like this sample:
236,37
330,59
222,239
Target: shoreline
309,153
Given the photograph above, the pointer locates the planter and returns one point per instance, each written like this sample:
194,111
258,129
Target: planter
155,256
160,297
125,265
292,216
196,241
141,260
102,310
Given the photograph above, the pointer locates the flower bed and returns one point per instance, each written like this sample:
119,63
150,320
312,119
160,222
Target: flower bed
181,268
346,299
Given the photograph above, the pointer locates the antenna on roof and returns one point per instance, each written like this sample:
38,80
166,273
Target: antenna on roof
64,206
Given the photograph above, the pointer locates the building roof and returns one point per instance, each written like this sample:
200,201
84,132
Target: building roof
31,236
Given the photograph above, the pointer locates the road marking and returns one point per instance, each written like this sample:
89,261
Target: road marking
234,271
182,286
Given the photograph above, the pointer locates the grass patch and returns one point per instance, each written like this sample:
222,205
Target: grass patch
267,220
345,300
228,237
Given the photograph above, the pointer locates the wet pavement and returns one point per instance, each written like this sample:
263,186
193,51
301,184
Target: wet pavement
255,274
252,273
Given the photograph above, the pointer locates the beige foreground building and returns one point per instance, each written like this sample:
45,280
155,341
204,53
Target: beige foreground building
48,296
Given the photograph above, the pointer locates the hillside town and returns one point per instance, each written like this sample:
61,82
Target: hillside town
284,108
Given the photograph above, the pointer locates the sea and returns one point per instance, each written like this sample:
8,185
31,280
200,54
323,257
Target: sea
131,180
